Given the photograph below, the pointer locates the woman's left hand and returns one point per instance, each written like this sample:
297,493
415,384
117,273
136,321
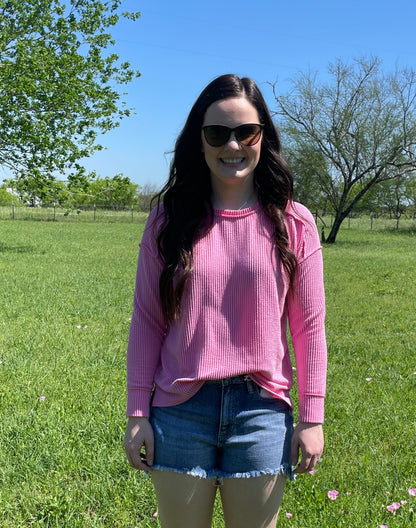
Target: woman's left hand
308,438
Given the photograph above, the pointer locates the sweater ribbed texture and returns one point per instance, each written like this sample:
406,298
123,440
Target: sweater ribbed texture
235,312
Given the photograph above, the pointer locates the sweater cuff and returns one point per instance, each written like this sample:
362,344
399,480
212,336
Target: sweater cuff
311,409
138,402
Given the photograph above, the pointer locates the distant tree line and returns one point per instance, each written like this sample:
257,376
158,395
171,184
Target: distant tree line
392,198
79,191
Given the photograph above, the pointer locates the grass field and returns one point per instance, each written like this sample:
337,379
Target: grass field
66,295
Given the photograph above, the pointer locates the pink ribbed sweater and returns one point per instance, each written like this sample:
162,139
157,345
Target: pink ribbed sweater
235,312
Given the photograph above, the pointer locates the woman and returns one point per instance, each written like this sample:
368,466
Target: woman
226,262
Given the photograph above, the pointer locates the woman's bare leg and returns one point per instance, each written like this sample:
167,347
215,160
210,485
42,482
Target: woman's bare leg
184,501
252,502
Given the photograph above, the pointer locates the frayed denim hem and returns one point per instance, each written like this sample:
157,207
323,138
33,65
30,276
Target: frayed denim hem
219,476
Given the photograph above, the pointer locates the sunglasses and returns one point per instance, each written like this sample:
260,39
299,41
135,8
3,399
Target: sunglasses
218,135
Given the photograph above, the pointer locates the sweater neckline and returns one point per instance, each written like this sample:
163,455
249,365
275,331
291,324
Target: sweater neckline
237,213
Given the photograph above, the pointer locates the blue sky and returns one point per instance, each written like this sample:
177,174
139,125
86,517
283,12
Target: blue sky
179,46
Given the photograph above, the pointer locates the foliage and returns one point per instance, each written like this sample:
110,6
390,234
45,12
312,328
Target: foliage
392,196
62,377
81,189
5,197
58,83
311,173
356,130
33,190
114,193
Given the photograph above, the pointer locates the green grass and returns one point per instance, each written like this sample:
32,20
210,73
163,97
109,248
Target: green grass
61,458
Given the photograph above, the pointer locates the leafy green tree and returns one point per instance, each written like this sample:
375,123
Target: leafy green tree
116,193
388,197
78,191
6,198
311,178
58,83
362,121
34,191
410,193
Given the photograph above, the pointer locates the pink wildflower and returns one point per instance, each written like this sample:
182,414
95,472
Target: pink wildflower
41,398
412,492
155,515
289,515
393,506
333,494
383,526
312,471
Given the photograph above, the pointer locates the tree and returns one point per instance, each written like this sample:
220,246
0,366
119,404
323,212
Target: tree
310,177
410,190
34,191
81,189
115,193
58,83
362,121
5,197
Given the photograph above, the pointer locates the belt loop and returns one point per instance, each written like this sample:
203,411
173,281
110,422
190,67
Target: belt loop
249,384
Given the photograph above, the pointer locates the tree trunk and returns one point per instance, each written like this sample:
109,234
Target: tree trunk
339,218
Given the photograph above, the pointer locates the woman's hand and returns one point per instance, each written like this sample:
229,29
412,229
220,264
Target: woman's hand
308,438
139,434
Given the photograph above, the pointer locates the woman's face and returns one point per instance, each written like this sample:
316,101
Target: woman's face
232,163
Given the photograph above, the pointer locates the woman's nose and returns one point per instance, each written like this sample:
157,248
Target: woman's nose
233,142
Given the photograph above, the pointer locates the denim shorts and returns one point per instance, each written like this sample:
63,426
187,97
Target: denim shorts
228,429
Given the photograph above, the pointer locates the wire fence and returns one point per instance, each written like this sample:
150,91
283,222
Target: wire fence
367,221
81,213
100,213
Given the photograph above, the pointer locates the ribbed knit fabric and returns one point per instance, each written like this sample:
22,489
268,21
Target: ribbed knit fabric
235,312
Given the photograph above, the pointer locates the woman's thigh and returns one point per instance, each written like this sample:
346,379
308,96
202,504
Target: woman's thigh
184,500
252,502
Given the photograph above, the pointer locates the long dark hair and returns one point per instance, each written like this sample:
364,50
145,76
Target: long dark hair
186,197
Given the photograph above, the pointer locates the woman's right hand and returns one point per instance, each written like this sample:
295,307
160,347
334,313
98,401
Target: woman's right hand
139,434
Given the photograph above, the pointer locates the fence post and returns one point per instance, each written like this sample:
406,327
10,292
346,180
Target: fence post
94,212
132,209
12,210
371,220
54,211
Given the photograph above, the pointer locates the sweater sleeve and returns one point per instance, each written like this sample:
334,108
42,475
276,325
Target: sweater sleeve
306,314
147,329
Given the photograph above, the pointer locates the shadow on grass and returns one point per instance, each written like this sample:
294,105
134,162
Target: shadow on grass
4,248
